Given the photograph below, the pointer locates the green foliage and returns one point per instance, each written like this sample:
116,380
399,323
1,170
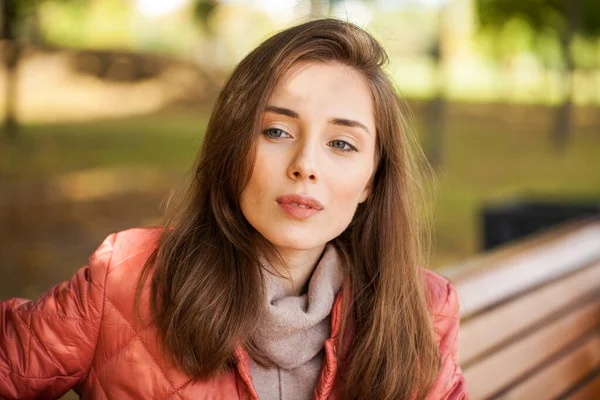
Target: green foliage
538,25
17,12
203,10
14,12
541,15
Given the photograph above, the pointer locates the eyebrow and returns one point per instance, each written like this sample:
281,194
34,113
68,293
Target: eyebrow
335,121
283,111
350,123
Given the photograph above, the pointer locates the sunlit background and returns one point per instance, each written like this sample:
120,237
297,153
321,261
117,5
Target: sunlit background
106,101
104,104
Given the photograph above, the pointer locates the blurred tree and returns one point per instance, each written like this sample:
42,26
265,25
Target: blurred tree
437,106
322,8
202,13
203,10
15,15
12,13
566,19
318,8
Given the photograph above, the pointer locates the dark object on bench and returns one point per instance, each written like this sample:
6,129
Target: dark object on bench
530,317
509,221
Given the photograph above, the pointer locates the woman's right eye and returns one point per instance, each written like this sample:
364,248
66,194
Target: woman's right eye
275,133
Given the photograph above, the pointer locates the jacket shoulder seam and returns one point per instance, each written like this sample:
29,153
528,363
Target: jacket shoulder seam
447,286
40,378
136,336
103,302
109,268
113,268
57,316
27,377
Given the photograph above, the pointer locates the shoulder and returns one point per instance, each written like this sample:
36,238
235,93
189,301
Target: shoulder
129,251
131,244
122,255
443,304
116,268
442,299
444,308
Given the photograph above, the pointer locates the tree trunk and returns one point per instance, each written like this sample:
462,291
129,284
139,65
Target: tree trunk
11,53
318,8
437,123
10,118
437,106
34,34
562,128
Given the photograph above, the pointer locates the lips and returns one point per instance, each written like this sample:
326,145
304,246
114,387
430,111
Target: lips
299,207
300,201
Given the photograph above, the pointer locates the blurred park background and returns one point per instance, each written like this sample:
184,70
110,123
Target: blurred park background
104,104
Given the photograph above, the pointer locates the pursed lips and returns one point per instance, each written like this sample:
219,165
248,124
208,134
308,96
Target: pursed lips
298,206
300,201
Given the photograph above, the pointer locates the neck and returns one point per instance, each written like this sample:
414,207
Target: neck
298,268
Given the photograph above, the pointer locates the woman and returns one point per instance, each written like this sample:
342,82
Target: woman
287,269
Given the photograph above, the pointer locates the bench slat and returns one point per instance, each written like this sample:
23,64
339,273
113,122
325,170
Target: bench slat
490,260
497,371
497,325
526,270
591,391
561,375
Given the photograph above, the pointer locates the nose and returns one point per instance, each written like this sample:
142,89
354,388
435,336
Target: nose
303,163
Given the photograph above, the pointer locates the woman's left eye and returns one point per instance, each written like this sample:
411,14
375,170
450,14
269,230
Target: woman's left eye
275,133
342,145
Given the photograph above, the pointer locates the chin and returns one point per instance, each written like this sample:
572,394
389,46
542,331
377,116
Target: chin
298,245
295,242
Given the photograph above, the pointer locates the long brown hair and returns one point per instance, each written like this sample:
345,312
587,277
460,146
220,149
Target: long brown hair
206,272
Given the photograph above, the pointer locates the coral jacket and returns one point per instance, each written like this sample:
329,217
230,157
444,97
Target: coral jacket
84,335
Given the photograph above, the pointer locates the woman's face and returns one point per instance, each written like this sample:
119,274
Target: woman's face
315,157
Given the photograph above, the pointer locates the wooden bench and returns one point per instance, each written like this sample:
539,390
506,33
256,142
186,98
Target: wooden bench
530,317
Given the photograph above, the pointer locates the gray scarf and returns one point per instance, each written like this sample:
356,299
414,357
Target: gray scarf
292,331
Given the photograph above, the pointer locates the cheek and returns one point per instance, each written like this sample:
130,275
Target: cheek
348,187
265,167
261,180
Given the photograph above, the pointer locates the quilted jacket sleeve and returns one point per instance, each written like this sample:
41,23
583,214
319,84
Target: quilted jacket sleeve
47,345
450,383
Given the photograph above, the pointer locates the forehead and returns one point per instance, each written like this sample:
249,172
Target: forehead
331,89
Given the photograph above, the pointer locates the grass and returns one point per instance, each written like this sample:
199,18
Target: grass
488,161
156,141
490,155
